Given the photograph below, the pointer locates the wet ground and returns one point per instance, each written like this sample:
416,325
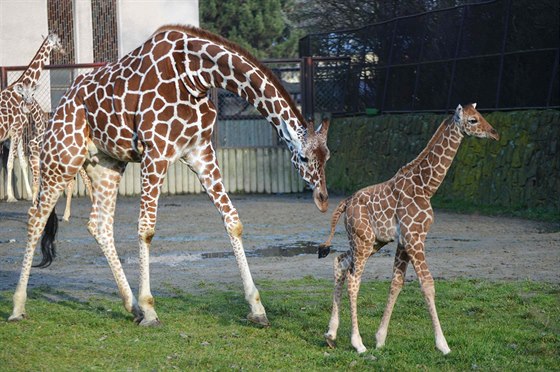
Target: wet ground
281,235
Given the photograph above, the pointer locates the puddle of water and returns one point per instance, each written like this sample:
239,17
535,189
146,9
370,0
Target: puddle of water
175,259
286,250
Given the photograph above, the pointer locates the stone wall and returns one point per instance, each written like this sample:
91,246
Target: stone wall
522,170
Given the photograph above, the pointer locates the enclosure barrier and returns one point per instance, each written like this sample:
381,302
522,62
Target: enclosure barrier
244,170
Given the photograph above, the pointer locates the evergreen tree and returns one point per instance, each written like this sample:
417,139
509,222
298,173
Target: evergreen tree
260,26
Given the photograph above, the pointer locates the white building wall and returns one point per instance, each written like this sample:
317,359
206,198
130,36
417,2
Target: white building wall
23,27
83,31
138,19
23,24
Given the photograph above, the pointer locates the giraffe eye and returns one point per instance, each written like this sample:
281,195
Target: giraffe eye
472,121
303,159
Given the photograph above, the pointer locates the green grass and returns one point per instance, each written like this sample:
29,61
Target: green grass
506,326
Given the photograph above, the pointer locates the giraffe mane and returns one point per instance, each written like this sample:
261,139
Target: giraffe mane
189,29
32,60
427,150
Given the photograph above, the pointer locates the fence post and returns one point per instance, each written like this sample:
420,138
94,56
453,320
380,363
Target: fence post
502,54
389,65
454,63
3,78
307,96
553,77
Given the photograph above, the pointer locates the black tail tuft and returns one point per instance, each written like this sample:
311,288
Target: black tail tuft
48,248
323,251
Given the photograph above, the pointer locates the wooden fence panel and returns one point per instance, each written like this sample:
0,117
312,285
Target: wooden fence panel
247,170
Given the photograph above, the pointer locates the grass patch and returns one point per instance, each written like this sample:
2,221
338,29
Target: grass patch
511,326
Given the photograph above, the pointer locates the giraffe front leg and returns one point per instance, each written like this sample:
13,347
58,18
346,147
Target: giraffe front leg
24,170
354,280
35,164
340,268
399,271
204,164
418,260
9,183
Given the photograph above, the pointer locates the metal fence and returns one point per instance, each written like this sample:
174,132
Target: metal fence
503,54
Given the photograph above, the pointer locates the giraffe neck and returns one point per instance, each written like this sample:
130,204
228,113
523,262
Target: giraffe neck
33,72
211,62
39,118
432,164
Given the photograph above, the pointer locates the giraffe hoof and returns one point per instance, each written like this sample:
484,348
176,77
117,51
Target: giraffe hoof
330,341
17,318
260,319
11,200
323,251
150,323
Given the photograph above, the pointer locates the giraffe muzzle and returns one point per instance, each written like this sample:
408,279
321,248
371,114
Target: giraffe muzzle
321,199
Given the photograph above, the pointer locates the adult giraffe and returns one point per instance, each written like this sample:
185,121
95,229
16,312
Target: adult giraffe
152,107
12,120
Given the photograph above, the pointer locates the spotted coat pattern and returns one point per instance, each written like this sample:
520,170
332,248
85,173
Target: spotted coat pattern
152,107
40,118
13,119
399,209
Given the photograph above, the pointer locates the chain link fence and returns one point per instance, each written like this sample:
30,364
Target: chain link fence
503,54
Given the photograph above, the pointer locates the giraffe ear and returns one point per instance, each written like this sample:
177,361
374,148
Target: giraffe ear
474,105
458,113
324,127
310,127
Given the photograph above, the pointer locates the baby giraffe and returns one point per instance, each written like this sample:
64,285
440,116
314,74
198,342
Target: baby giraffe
398,209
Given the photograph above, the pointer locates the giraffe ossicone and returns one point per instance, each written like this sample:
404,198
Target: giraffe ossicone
153,107
398,209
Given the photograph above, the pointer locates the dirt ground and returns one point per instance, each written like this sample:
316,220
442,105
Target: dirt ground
281,234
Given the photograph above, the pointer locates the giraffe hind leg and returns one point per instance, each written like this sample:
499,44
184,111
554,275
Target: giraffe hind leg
39,214
340,268
105,177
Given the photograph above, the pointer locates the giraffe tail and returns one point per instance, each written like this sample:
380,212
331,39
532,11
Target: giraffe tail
325,248
48,248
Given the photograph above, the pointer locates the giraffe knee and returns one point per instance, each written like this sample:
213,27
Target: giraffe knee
235,229
147,236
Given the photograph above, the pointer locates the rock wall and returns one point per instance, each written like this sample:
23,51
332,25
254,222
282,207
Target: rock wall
522,170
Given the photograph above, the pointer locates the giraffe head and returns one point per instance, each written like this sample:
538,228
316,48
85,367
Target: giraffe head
472,123
26,92
310,160
54,42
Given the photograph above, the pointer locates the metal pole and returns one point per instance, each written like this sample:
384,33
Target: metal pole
553,77
388,68
454,63
502,54
307,87
3,78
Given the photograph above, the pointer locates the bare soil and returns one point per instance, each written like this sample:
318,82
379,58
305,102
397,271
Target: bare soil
191,249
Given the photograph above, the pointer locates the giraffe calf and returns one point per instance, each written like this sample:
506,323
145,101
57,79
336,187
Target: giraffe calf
398,209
